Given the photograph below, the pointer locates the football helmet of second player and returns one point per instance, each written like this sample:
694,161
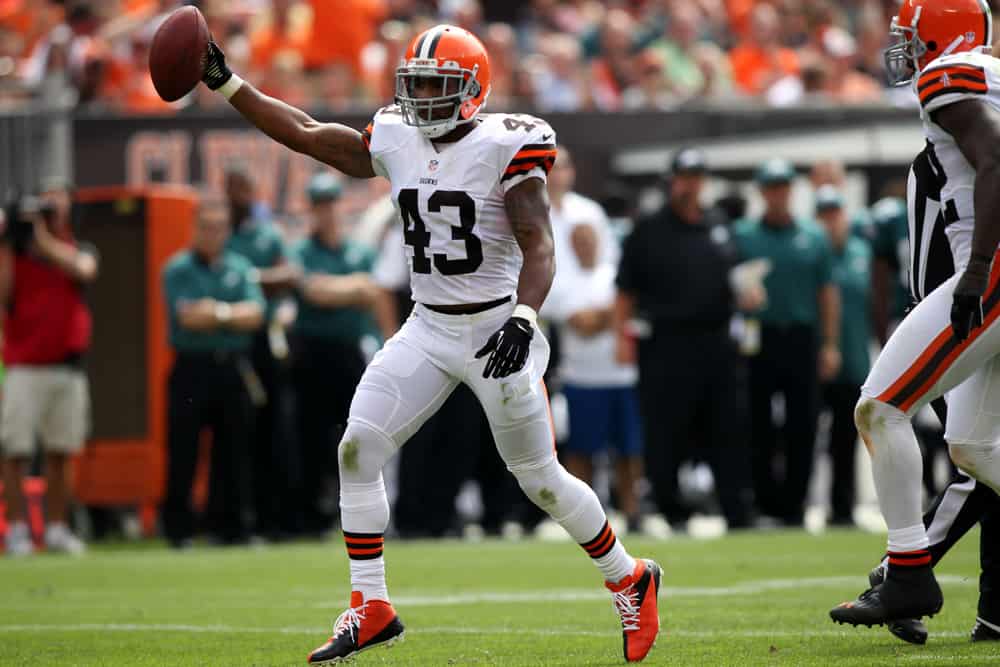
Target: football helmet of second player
457,64
929,29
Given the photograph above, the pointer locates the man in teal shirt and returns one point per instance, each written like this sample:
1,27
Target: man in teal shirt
259,240
887,231
336,304
799,340
213,306
852,267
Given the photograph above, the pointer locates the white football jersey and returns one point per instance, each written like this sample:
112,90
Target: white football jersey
942,181
451,200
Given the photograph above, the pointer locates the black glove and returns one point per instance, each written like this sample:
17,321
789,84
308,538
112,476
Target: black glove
215,72
967,300
509,347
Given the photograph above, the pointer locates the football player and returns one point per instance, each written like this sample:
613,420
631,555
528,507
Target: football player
949,344
470,189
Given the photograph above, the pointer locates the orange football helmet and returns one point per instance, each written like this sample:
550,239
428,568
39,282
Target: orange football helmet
929,29
455,62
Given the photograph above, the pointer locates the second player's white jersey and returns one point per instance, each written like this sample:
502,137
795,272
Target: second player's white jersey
450,197
942,181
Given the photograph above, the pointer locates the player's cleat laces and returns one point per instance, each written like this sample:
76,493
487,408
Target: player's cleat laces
635,601
362,626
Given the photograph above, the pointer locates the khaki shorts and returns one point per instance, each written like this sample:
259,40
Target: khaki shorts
50,404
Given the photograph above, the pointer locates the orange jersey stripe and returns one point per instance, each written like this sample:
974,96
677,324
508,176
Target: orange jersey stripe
974,72
535,153
953,87
540,164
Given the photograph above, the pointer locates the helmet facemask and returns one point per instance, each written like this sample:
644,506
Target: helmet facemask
902,59
437,115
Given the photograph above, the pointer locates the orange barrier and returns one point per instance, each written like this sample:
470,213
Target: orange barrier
124,463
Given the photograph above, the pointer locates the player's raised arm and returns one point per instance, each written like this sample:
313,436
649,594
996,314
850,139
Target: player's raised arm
975,126
339,146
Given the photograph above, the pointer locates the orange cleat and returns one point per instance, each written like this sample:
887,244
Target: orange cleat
635,601
363,626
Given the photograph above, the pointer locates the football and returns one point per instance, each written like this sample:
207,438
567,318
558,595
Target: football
176,57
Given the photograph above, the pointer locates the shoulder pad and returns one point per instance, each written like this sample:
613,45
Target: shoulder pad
952,78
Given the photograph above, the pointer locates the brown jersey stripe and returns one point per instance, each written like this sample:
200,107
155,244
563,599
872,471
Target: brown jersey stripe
955,79
938,357
974,73
517,170
939,89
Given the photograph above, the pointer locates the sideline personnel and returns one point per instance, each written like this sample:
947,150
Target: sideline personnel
674,275
213,305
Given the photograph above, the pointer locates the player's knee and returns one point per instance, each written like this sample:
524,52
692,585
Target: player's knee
973,458
550,486
363,451
871,414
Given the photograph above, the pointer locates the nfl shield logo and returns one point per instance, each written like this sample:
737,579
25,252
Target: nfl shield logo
945,80
433,165
970,37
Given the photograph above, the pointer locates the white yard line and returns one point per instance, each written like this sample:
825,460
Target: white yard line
589,594
503,630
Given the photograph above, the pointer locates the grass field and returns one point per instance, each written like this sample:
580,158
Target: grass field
754,599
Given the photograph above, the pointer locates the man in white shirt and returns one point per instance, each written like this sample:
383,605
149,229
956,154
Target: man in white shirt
599,391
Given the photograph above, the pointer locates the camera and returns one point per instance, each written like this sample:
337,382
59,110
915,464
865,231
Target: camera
20,214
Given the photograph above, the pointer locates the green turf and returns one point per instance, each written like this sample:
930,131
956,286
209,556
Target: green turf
754,599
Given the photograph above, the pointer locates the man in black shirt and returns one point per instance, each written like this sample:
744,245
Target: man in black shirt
674,306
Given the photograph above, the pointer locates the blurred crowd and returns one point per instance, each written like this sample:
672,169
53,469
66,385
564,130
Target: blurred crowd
546,55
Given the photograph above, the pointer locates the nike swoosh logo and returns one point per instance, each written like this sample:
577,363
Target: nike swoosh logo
546,137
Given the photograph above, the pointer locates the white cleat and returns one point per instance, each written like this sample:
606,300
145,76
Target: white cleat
59,539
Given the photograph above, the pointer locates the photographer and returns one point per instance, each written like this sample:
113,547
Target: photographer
46,331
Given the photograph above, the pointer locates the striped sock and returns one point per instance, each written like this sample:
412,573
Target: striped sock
917,558
609,555
367,564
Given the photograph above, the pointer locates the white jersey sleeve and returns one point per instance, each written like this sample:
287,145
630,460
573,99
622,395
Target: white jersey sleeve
385,136
528,146
951,79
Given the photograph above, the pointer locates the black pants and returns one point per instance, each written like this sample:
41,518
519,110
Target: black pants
692,385
276,470
786,365
325,375
208,392
963,503
841,398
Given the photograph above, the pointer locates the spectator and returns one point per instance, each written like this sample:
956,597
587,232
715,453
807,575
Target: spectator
852,259
675,296
336,299
256,238
214,304
799,341
600,392
559,80
888,233
278,38
568,209
847,85
47,330
611,72
759,61
677,50
340,30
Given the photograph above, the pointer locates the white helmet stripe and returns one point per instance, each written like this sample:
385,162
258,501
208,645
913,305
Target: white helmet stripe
429,41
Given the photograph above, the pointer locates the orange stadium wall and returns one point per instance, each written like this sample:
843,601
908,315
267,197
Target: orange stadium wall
135,230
